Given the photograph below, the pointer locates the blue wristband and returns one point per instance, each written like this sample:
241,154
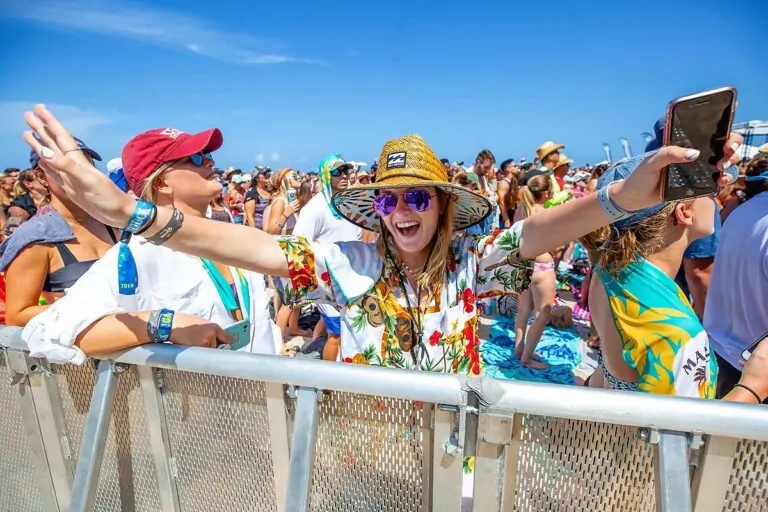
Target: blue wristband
164,324
142,216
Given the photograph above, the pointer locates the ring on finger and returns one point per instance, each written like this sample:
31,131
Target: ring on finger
71,150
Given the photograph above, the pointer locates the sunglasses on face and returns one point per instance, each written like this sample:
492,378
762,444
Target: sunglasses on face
341,171
199,158
417,200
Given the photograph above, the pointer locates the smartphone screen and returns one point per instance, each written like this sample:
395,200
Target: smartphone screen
701,122
748,351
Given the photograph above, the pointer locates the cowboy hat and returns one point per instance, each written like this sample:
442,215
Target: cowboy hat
564,160
408,162
547,149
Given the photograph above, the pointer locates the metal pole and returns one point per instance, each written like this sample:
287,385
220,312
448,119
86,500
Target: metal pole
302,451
159,439
672,472
95,437
310,373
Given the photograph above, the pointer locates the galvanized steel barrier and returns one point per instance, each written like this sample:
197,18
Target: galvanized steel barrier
167,428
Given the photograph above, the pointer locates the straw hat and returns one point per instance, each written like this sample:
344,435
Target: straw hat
547,149
404,163
564,160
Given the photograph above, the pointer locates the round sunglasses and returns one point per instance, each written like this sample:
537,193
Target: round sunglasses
418,200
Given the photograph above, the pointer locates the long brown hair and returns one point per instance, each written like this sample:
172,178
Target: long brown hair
613,249
433,276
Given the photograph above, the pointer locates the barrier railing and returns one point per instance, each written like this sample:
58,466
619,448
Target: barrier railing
161,427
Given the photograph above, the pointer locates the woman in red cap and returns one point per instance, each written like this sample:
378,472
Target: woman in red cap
124,299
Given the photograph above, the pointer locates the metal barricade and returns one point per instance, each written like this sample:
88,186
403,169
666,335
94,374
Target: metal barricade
19,485
168,428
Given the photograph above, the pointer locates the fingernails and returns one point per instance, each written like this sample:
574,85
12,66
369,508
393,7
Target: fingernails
725,164
692,154
47,153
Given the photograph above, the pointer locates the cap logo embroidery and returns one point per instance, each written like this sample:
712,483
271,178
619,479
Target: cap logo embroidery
396,160
171,132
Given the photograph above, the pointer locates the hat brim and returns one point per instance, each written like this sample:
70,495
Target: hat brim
345,166
356,203
207,142
549,151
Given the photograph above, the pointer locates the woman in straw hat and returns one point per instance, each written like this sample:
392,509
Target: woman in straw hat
407,301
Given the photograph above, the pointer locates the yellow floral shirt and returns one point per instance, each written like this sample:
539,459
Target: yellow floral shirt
379,326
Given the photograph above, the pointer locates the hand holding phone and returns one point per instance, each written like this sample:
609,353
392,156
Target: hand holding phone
239,334
748,351
701,121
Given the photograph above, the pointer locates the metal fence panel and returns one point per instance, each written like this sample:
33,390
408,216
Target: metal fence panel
748,490
579,466
370,455
128,480
19,492
220,444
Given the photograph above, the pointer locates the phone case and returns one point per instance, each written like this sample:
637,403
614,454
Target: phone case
240,333
669,131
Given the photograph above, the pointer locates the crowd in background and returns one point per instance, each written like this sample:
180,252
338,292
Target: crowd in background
39,267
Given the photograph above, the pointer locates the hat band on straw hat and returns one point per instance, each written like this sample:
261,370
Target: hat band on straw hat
409,162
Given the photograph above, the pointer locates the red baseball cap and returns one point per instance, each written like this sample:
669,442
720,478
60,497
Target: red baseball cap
146,152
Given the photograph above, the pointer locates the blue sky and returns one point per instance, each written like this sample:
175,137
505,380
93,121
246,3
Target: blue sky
290,82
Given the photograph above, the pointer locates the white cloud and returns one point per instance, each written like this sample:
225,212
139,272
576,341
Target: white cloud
260,158
79,121
159,27
274,157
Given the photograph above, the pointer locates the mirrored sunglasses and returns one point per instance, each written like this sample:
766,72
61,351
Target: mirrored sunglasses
198,158
417,200
341,171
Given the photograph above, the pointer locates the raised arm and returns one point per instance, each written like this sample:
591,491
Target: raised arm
236,245
559,225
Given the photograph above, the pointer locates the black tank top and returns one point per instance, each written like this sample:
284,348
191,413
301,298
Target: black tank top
60,280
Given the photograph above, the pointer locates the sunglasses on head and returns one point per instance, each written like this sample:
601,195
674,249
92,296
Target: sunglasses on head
417,200
199,158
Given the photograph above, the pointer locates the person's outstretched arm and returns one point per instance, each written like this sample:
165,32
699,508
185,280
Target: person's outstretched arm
258,251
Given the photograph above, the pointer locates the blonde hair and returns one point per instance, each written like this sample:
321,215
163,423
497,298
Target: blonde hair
281,180
533,191
613,249
148,191
433,276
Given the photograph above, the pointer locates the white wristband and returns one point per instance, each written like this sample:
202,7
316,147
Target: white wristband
611,209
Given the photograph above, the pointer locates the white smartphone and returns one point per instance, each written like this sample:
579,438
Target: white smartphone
748,351
240,334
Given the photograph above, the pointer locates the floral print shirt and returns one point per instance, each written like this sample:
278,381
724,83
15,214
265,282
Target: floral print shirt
380,322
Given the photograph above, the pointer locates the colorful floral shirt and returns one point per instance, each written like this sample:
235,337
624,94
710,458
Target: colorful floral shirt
378,323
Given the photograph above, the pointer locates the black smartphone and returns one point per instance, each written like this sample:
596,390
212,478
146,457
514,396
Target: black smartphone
701,121
748,351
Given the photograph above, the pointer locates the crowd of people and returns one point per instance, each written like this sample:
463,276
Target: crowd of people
400,260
